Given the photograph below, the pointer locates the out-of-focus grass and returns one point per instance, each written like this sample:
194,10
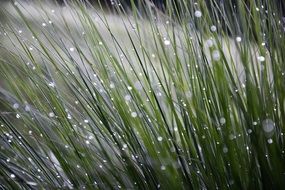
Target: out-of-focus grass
166,101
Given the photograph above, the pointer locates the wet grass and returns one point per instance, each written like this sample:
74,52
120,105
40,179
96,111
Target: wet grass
165,100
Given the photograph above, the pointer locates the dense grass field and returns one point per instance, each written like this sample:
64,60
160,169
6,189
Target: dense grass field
187,97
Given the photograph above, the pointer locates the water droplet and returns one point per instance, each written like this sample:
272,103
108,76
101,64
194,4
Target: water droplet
238,39
112,85
51,114
198,14
166,42
222,120
18,116
16,106
268,126
72,49
128,97
125,146
270,141
159,138
216,55
87,142
44,24
209,43
261,58
213,28
162,167
134,114
225,149
12,176
51,84
86,121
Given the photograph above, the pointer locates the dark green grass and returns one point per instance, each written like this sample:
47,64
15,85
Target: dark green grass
147,107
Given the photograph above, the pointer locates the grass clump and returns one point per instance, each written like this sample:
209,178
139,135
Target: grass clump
191,97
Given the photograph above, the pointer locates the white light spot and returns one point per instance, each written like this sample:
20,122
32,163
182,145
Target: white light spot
159,138
216,55
166,42
27,108
86,121
72,49
44,24
112,85
238,39
134,114
162,167
18,116
261,58
213,28
16,106
268,126
270,141
125,146
51,84
222,120
198,14
87,142
51,114
209,43
128,97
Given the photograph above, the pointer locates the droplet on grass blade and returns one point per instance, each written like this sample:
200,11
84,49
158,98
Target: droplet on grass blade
213,28
16,106
134,114
72,49
270,141
162,167
222,120
51,114
238,39
216,55
198,14
261,58
128,97
166,42
159,138
268,126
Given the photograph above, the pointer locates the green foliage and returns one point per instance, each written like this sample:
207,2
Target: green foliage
164,100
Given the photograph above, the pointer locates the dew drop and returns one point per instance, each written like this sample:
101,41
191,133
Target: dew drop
128,97
225,149
166,42
270,141
51,114
268,126
198,14
222,120
261,58
162,167
213,28
216,55
112,85
16,106
159,138
18,116
134,114
238,39
12,176
72,49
